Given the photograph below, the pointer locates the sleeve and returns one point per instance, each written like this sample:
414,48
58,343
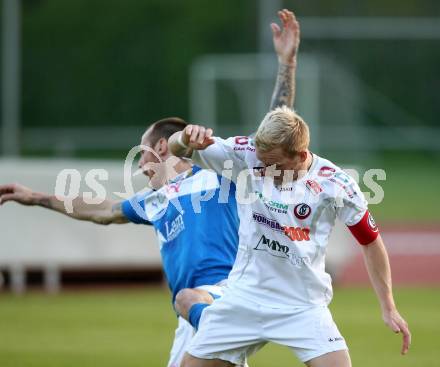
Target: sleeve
352,209
224,155
134,210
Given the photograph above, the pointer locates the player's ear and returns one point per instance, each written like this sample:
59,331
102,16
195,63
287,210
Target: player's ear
303,156
162,147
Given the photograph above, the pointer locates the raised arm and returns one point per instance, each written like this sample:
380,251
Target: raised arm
107,212
378,266
286,43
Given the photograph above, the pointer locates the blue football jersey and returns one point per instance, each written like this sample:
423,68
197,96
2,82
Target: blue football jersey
196,221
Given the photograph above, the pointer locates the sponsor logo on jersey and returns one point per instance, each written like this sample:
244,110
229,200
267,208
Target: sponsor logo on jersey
277,249
161,198
174,228
348,189
314,187
283,189
241,140
155,205
158,201
302,211
297,233
343,177
326,171
273,247
174,187
243,143
293,233
371,223
270,223
272,205
336,339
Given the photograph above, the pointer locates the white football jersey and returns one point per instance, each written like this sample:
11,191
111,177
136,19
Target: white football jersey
284,230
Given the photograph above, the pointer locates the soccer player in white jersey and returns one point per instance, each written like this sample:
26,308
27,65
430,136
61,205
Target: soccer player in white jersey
278,290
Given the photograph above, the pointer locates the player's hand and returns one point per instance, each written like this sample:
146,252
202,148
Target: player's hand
197,137
286,40
396,323
17,193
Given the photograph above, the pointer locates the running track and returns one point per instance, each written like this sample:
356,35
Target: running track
414,256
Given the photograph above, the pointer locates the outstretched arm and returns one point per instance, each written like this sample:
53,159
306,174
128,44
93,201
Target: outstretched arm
378,266
286,43
105,213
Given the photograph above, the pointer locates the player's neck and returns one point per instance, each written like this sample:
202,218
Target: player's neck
305,167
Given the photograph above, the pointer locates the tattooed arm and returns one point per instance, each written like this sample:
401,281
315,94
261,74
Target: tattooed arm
105,213
286,43
284,92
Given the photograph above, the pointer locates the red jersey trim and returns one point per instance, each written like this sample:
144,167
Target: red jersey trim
365,231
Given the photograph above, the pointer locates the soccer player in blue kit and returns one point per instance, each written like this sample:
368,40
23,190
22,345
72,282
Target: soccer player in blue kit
193,211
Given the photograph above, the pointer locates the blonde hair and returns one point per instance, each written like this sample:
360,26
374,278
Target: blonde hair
283,127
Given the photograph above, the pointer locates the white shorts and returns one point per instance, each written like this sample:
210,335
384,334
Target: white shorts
233,328
185,332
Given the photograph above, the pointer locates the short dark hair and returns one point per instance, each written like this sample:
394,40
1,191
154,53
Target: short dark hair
165,128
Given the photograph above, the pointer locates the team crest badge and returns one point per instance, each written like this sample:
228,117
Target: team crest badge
371,223
302,211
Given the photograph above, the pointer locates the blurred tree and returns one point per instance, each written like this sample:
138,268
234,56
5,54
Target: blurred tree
121,62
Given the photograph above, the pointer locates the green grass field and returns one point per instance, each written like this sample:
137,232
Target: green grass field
135,328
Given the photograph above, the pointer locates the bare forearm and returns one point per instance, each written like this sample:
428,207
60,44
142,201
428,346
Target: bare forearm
378,266
284,91
379,271
105,213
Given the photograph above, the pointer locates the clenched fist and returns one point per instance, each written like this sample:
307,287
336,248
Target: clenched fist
197,137
17,193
